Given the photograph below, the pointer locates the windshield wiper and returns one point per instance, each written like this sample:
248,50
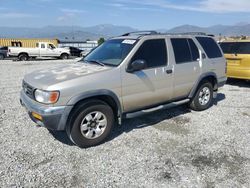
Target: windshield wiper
96,62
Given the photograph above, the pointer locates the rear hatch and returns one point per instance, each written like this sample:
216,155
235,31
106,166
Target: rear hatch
238,58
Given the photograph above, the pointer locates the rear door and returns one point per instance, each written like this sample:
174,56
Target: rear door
186,67
43,50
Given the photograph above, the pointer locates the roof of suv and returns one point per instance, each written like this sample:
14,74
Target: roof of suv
139,34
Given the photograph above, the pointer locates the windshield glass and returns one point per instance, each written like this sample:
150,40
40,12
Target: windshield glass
112,52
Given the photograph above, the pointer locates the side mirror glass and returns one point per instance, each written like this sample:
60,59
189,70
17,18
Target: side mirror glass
136,65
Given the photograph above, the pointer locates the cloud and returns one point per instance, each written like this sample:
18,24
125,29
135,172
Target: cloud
69,14
73,11
15,15
215,6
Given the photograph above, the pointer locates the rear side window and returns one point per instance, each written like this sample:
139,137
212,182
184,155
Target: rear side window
154,52
185,50
210,47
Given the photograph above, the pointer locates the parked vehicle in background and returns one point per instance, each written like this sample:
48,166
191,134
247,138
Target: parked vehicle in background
237,54
74,51
3,52
85,52
125,74
43,49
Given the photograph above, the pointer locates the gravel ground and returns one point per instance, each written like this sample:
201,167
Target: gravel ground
168,148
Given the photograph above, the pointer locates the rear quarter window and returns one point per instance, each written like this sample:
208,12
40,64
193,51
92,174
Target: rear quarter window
210,47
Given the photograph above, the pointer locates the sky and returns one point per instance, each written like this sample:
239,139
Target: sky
139,14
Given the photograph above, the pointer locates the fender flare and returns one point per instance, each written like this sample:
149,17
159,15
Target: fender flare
196,85
96,93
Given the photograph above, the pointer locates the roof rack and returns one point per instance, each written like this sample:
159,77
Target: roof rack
141,33
186,33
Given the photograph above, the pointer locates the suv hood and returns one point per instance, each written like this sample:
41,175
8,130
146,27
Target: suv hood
44,78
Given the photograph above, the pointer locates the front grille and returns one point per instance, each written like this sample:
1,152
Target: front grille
28,90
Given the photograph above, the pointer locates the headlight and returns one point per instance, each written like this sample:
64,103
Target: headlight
46,97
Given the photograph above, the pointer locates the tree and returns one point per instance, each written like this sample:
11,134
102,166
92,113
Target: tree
100,41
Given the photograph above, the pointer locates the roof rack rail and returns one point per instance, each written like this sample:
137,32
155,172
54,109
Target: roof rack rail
141,33
187,33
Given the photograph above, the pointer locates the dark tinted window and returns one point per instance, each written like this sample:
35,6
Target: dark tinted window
194,50
229,47
235,47
210,46
243,48
181,50
154,52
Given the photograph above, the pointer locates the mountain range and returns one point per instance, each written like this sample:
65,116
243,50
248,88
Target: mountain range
108,30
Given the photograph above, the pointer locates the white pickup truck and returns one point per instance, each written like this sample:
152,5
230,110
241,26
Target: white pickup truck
43,49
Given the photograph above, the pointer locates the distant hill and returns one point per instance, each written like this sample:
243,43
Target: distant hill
65,32
235,30
108,30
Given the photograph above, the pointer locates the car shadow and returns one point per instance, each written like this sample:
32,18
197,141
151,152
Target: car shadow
139,121
238,82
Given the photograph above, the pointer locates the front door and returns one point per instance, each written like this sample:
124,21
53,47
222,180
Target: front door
152,85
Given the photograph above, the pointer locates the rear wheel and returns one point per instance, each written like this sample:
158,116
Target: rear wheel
90,123
64,56
23,57
203,98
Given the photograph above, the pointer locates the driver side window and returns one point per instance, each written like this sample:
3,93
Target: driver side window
153,52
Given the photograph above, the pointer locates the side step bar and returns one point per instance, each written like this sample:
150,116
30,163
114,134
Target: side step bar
161,107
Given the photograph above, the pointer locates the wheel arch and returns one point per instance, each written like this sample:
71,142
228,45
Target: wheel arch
23,53
210,76
106,96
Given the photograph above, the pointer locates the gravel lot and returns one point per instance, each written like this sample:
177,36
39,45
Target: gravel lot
168,148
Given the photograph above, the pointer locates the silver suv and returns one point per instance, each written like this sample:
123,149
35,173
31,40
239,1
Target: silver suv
125,74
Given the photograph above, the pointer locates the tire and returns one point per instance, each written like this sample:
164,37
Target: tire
23,57
82,127
1,57
64,56
203,98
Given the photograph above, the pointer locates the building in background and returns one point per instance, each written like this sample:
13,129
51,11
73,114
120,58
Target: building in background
83,45
22,42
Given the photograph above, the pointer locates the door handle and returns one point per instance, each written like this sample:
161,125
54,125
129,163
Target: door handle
169,71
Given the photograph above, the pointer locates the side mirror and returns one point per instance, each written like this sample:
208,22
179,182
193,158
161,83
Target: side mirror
136,65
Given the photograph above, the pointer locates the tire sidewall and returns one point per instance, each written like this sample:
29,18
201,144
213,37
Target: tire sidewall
23,57
74,132
196,99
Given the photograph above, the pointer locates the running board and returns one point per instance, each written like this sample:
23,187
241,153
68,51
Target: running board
161,107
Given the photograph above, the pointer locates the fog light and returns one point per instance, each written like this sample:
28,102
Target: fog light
37,116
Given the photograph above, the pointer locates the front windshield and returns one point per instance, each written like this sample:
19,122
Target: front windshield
112,52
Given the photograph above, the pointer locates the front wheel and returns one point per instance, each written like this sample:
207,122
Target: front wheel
1,56
90,124
203,98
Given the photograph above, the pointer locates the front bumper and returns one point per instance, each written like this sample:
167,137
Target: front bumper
53,118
